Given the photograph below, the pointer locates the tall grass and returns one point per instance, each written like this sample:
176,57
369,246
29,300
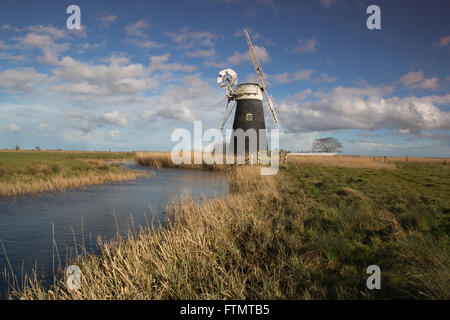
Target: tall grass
24,172
164,160
307,233
61,183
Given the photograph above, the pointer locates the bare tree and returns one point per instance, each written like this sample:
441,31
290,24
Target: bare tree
328,144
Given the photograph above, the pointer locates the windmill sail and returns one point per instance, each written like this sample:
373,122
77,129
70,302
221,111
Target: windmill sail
260,74
227,114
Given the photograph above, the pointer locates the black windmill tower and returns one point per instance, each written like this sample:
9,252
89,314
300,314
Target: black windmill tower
247,98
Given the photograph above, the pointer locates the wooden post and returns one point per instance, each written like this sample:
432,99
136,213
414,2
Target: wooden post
406,160
385,158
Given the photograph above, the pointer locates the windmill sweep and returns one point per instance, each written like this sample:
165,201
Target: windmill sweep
249,127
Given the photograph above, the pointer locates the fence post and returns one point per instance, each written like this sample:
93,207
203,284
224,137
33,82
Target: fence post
406,160
384,158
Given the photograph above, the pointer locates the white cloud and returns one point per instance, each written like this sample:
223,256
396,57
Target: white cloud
114,133
21,80
160,63
303,74
45,43
286,77
87,122
431,83
239,57
117,77
187,38
11,57
417,80
137,28
306,45
195,98
106,19
115,118
178,111
365,108
326,78
149,44
10,28
200,53
301,95
48,30
412,78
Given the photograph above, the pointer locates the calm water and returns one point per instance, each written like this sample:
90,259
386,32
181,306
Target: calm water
26,221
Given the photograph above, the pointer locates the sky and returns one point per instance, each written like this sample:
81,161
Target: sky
138,70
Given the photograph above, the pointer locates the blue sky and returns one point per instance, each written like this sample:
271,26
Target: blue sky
137,70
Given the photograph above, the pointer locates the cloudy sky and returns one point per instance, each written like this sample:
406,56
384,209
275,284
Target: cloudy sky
137,70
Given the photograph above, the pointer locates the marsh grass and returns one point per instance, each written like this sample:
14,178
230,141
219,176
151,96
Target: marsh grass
24,172
308,233
163,160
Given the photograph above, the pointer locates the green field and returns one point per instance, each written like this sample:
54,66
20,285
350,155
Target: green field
397,219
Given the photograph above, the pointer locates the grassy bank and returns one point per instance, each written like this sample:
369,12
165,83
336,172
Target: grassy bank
37,171
308,233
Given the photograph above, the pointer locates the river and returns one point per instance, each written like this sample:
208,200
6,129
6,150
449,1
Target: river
29,223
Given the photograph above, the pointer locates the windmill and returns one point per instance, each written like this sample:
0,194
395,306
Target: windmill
247,99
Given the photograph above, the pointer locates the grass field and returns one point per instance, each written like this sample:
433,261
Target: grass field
36,171
364,161
309,232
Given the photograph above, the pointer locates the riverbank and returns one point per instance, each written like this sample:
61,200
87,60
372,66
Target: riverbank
23,172
309,232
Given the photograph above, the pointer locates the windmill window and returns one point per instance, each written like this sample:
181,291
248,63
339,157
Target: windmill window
249,117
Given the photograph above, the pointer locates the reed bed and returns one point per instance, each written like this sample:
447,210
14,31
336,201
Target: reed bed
62,183
163,160
24,172
309,232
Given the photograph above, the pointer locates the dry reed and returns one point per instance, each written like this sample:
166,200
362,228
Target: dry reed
163,160
61,183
